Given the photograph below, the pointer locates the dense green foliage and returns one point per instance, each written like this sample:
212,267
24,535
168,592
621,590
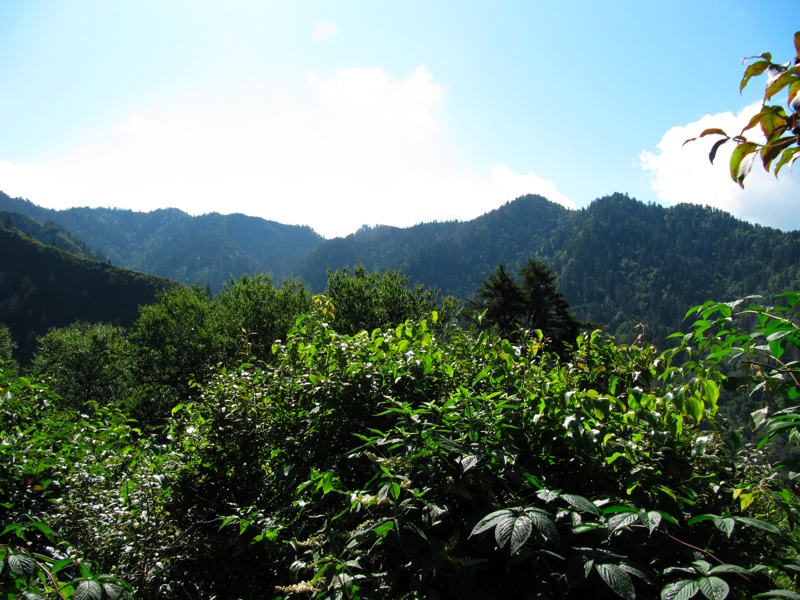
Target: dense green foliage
364,301
402,463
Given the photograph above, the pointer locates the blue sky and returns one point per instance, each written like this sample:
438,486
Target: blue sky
340,114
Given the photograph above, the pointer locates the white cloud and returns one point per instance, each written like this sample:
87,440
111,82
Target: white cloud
518,185
358,148
683,173
326,31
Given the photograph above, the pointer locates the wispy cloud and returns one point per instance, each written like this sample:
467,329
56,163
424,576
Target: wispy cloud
326,31
683,173
359,147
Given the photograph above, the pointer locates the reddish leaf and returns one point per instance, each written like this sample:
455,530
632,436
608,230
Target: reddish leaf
714,131
797,42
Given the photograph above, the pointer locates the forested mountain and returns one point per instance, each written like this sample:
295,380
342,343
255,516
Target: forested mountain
207,249
621,263
49,234
43,287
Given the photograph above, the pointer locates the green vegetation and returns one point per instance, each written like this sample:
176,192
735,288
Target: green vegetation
402,463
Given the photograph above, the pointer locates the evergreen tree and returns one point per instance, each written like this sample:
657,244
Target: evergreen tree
531,302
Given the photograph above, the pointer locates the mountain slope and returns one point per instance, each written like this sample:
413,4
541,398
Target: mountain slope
207,249
43,287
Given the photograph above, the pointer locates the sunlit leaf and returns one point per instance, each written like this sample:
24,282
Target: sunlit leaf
680,590
753,70
617,579
20,564
513,532
713,588
88,590
580,503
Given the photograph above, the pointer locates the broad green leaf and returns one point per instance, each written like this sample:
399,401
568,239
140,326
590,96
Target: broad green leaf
547,495
513,532
739,167
116,591
787,158
544,526
694,408
729,569
725,525
713,588
20,564
89,590
581,503
619,521
758,524
702,566
491,520
680,590
617,579
753,70
758,417
650,519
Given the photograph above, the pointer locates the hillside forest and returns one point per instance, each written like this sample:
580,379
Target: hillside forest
602,403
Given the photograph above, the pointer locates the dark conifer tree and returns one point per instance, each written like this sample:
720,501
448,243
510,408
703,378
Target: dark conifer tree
528,303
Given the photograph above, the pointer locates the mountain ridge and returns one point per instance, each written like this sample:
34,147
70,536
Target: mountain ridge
621,262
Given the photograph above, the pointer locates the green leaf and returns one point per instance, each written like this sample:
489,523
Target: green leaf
617,579
729,569
702,566
713,588
116,591
650,519
680,590
725,525
758,524
513,532
619,521
20,564
547,495
753,70
580,503
758,417
490,521
544,526
694,408
89,590
739,167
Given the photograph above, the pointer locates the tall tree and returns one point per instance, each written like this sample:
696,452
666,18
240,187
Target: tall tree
532,301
